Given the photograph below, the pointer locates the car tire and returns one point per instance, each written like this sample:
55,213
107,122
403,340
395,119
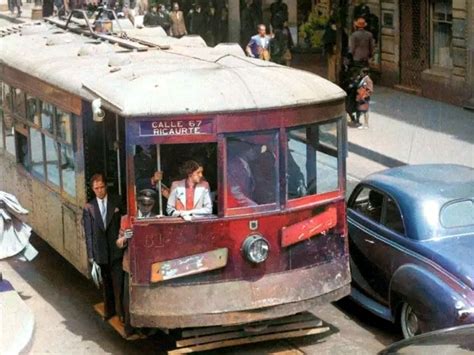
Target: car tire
409,321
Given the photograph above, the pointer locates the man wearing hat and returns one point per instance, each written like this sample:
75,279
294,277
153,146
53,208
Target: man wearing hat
146,201
361,44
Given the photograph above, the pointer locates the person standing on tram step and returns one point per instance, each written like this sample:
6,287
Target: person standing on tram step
259,44
178,26
101,219
145,201
191,195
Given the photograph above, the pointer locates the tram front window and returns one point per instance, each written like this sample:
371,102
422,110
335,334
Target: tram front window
169,164
252,166
312,165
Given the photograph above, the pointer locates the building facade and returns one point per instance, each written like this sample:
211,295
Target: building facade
427,48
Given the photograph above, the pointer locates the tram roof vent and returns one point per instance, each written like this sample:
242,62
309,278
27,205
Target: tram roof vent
59,38
119,60
94,48
35,29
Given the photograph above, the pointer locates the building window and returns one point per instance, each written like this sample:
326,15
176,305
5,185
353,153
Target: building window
441,24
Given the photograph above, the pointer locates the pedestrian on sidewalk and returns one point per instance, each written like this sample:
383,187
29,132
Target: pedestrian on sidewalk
361,45
258,47
11,6
364,91
178,26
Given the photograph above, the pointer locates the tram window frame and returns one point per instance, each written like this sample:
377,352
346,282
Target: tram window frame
256,136
309,197
33,121
172,173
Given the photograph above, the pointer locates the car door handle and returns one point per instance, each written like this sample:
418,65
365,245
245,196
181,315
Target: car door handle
369,241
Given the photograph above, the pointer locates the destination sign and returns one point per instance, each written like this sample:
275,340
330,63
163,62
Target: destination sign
163,128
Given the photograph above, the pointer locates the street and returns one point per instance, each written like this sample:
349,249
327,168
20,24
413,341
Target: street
404,129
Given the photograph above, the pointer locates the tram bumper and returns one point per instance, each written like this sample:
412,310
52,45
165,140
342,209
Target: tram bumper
239,301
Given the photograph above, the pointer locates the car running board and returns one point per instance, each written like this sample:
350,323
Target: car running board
371,305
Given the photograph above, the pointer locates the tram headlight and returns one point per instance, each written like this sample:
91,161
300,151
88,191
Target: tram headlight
256,249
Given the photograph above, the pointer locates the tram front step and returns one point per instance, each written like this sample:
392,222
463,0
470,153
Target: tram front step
209,338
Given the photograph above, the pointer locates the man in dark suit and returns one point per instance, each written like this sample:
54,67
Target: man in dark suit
101,220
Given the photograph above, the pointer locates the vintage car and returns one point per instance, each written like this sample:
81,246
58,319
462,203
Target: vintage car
411,241
456,340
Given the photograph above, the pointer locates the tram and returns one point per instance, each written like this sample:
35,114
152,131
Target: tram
74,103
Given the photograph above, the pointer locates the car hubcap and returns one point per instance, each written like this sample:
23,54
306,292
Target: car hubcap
411,324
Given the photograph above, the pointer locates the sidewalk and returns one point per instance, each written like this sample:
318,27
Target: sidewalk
408,129
405,129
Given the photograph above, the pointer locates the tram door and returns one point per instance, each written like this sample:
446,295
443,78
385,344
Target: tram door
104,145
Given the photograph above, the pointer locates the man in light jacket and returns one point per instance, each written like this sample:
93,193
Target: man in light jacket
190,196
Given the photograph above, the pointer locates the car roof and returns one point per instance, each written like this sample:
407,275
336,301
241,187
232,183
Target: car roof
421,190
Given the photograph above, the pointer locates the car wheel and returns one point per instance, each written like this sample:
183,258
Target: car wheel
409,321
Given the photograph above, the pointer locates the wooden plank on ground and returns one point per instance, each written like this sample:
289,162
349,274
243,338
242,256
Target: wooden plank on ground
250,340
242,333
299,317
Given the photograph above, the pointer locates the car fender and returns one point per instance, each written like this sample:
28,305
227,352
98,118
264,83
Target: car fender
431,298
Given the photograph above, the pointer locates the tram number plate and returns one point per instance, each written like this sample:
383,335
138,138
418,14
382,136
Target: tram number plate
189,265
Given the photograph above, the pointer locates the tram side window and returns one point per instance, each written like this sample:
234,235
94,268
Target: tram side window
52,160
37,157
47,116
18,102
9,132
312,164
1,116
252,170
173,160
1,129
32,110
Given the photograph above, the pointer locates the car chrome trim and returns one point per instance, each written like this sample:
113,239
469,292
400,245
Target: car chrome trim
408,252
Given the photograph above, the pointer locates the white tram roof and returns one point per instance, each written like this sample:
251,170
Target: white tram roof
187,78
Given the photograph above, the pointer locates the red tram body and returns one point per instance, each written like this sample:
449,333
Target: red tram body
198,272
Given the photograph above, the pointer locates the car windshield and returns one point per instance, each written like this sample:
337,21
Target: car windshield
457,214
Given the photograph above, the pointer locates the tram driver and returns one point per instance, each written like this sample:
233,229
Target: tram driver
191,195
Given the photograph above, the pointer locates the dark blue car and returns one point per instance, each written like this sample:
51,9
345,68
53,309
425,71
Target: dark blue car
411,235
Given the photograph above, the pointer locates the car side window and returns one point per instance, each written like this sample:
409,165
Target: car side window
393,217
369,203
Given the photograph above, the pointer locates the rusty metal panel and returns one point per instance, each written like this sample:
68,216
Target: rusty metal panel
189,265
234,302
309,228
